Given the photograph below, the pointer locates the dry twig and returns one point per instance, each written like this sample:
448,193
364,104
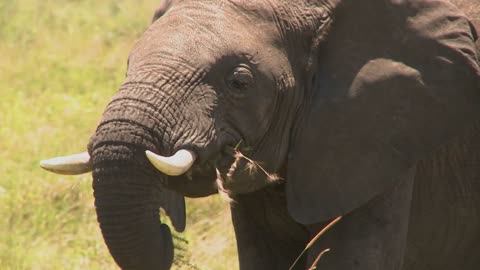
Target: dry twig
320,233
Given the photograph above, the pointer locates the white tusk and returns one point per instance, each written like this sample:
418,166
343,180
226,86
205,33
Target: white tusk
175,165
69,165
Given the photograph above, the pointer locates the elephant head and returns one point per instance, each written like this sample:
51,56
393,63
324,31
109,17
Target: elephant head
333,98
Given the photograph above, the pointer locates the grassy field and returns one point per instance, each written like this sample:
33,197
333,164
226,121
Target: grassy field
60,63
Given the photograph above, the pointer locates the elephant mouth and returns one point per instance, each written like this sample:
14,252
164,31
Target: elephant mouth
231,169
237,172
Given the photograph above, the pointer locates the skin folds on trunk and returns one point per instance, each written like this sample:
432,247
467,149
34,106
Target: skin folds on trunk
129,190
131,229
127,196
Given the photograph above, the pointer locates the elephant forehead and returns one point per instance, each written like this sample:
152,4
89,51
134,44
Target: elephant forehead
200,33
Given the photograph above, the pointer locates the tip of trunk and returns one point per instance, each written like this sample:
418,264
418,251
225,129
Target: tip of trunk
132,231
151,249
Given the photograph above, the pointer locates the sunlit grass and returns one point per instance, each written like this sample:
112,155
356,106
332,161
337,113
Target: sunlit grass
61,61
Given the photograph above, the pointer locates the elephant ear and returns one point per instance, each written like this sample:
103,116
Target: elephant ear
394,81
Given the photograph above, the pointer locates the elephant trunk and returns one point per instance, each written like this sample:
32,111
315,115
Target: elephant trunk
143,118
127,189
131,227
126,193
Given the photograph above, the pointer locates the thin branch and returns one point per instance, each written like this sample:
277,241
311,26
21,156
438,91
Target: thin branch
320,233
333,222
315,262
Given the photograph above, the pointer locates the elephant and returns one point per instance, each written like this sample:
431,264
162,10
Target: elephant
297,112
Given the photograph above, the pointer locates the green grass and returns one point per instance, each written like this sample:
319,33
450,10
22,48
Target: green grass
61,61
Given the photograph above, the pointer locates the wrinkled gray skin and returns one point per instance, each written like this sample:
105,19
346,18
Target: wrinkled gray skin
356,112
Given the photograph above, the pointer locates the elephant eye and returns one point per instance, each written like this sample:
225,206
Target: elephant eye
240,79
